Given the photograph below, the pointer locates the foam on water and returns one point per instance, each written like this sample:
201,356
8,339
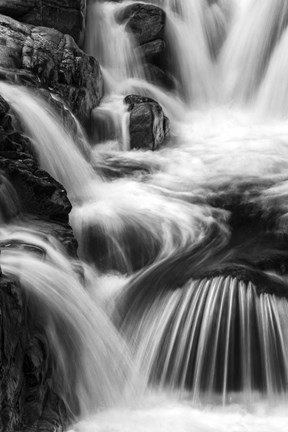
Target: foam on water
165,413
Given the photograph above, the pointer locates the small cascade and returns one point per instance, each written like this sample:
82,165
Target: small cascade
216,338
91,364
9,202
192,63
107,216
273,94
173,106
255,33
54,146
217,20
110,122
119,57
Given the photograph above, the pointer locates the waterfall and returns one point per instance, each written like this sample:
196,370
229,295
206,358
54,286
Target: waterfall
213,337
54,146
91,362
245,67
180,320
119,57
189,46
274,91
9,202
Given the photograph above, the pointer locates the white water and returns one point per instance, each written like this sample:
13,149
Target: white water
219,147
92,362
162,412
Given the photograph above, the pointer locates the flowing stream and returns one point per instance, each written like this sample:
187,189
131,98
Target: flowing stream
180,318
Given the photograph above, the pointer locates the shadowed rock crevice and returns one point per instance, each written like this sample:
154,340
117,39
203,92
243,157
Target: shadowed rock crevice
64,15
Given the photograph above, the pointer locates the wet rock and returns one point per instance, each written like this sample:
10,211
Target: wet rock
154,52
149,128
157,76
46,58
146,22
38,193
25,382
67,16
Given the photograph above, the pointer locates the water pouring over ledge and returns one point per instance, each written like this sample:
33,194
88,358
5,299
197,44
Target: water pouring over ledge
186,316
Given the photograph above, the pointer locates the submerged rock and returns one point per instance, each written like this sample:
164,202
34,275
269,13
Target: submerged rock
147,24
149,127
154,52
45,58
67,16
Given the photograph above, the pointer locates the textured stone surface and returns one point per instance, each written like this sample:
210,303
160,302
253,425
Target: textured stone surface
46,58
149,128
67,16
146,22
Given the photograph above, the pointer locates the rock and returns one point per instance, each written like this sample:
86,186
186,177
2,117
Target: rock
154,52
39,194
67,16
25,384
28,398
149,128
45,58
146,22
158,77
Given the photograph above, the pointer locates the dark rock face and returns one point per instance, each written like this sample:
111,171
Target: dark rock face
27,400
146,22
67,16
39,193
46,58
154,52
149,128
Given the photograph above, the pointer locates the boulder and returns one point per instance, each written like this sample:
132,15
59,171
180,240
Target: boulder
148,127
67,16
146,22
45,58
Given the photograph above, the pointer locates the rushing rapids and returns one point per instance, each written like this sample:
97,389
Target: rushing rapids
180,316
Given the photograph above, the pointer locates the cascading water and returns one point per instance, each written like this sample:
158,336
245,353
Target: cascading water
203,221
